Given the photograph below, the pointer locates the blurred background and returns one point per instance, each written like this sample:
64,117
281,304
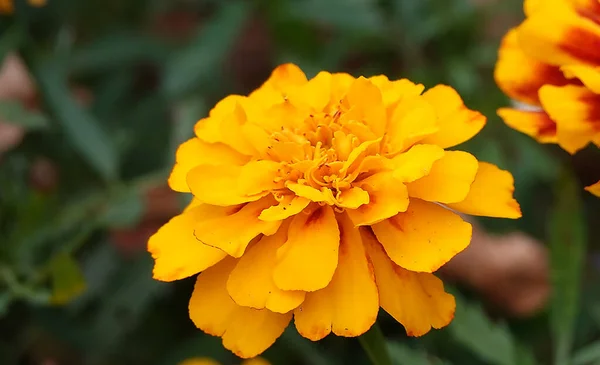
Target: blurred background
96,95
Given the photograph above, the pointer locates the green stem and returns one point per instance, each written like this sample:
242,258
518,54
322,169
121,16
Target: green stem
374,344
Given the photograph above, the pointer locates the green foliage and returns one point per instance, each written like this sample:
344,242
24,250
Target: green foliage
76,281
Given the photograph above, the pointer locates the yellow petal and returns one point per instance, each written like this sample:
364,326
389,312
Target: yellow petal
423,238
177,253
314,95
521,76
353,198
286,77
533,123
456,122
251,281
209,129
576,111
366,98
245,331
199,361
416,300
348,306
557,35
233,233
288,206
310,193
393,91
448,181
256,361
416,162
218,185
413,119
258,177
589,76
309,257
387,197
491,194
196,152
594,189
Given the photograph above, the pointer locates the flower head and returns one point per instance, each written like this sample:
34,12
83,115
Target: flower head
209,361
324,200
552,61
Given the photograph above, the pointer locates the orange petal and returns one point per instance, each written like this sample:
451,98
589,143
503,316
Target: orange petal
387,197
233,233
416,300
314,95
557,35
258,177
251,282
456,122
245,331
416,162
196,152
423,238
589,76
353,198
176,252
348,306
286,78
491,194
256,361
199,361
594,189
219,185
532,123
448,181
309,257
521,76
412,120
367,98
310,193
208,129
288,206
576,111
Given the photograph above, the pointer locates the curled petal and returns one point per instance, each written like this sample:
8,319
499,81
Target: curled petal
288,206
416,300
536,124
588,75
491,194
423,238
348,306
245,331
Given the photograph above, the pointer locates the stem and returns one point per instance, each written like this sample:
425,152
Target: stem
374,344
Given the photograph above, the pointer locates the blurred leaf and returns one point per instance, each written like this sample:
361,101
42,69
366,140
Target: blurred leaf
188,112
402,354
304,349
10,40
588,355
82,130
14,113
67,279
6,299
125,210
348,15
489,341
567,249
524,355
205,55
375,345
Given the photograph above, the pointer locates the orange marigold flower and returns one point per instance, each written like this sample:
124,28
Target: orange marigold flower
552,61
209,361
7,6
323,200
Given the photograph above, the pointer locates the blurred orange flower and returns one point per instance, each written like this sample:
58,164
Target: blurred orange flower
552,61
7,6
323,200
209,361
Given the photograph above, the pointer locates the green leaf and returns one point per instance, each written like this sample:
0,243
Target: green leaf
82,130
587,355
125,210
402,354
567,252
375,345
67,279
304,349
13,112
472,328
6,298
198,62
10,40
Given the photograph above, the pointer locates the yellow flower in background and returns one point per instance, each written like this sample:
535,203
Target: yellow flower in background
209,361
7,6
552,61
324,200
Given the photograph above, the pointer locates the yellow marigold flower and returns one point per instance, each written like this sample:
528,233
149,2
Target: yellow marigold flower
208,361
552,61
323,200
7,6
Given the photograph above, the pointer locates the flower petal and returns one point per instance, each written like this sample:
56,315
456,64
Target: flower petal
448,181
423,238
589,76
258,177
251,282
286,77
416,162
594,189
521,76
313,95
413,119
353,198
416,300
536,124
245,331
348,306
196,152
387,197
218,185
576,111
456,122
491,194
366,97
233,233
308,192
309,257
288,206
177,253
